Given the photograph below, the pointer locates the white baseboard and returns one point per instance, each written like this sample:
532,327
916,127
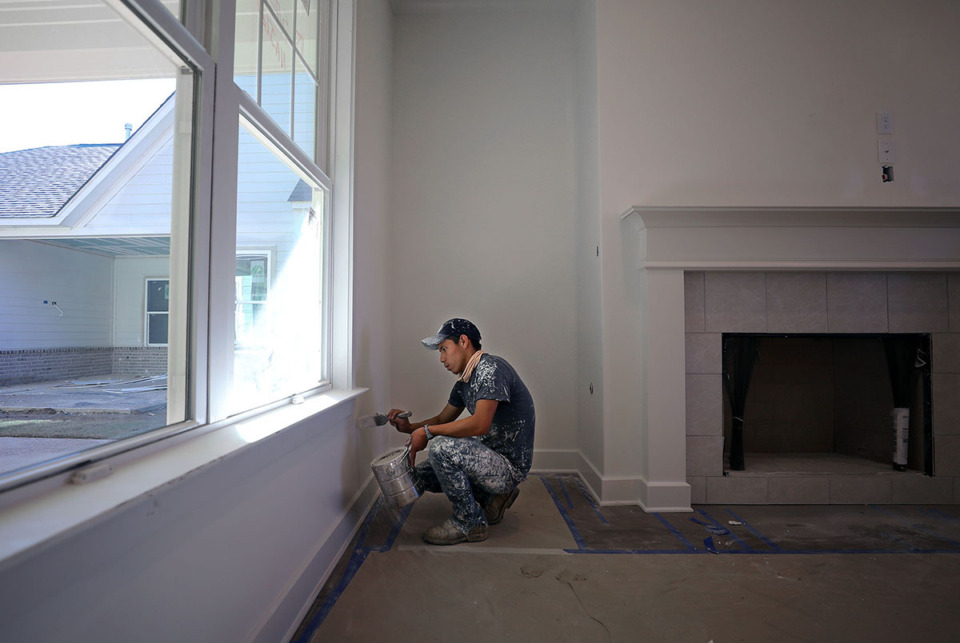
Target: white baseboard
663,497
292,606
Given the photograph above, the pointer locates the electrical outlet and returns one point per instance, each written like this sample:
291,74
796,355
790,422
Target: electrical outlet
884,122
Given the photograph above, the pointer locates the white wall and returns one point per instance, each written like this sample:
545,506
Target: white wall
207,558
589,303
483,223
373,208
79,282
745,102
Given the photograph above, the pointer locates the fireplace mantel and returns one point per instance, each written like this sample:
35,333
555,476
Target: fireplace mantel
805,238
662,245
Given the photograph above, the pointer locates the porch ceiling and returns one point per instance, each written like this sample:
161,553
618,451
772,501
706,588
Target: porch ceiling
117,246
68,40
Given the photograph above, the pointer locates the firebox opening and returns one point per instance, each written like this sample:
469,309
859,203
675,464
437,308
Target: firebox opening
826,394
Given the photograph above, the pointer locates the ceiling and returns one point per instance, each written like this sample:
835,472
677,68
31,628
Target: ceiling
116,246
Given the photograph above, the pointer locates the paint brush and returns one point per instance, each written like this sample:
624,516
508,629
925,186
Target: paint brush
377,419
380,419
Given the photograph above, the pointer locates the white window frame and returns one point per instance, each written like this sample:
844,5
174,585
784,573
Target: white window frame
147,312
188,329
40,502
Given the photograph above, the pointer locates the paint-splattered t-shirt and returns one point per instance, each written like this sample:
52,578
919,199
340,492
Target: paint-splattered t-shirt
511,432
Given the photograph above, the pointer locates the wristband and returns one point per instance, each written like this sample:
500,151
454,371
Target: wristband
426,429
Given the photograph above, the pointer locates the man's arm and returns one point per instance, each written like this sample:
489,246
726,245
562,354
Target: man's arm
403,425
477,424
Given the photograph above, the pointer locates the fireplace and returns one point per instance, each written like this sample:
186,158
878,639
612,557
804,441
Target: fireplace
811,395
818,273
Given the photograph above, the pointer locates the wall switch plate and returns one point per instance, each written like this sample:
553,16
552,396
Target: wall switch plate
884,122
886,153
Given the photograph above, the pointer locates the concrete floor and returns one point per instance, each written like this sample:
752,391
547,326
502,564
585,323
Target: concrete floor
559,568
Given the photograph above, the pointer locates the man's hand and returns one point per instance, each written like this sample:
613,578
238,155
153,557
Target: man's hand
418,442
402,424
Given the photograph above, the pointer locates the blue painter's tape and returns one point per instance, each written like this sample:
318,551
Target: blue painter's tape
914,525
743,545
566,495
769,543
940,515
633,552
589,498
395,530
359,554
563,513
676,532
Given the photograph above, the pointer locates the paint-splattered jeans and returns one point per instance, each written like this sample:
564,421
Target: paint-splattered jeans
469,473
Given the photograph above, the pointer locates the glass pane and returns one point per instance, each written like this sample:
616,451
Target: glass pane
252,277
284,9
248,318
247,46
308,21
92,186
157,329
277,324
305,111
277,79
158,296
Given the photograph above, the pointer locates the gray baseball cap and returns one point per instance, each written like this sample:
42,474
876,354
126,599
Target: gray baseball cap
451,329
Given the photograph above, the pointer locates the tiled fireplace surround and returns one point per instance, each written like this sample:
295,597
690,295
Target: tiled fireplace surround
818,302
794,270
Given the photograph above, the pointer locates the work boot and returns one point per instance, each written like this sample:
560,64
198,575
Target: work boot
448,534
498,505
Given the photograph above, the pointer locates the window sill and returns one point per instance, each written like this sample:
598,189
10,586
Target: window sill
51,515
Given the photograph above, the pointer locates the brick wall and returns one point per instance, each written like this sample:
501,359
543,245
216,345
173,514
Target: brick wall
151,360
24,366
40,365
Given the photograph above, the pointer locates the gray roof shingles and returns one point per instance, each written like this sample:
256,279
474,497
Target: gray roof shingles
39,181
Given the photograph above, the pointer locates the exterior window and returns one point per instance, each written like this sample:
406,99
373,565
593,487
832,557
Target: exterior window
108,238
95,222
252,285
158,311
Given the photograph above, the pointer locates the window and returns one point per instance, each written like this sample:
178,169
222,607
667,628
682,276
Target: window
96,217
279,63
157,315
252,285
279,320
117,262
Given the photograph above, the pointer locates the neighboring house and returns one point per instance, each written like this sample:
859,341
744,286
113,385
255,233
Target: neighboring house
85,251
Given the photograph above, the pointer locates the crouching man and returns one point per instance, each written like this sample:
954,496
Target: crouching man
477,461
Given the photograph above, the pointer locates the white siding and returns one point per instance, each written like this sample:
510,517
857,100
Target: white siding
130,274
80,283
142,205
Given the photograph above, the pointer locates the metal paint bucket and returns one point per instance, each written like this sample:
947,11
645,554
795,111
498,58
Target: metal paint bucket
398,481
